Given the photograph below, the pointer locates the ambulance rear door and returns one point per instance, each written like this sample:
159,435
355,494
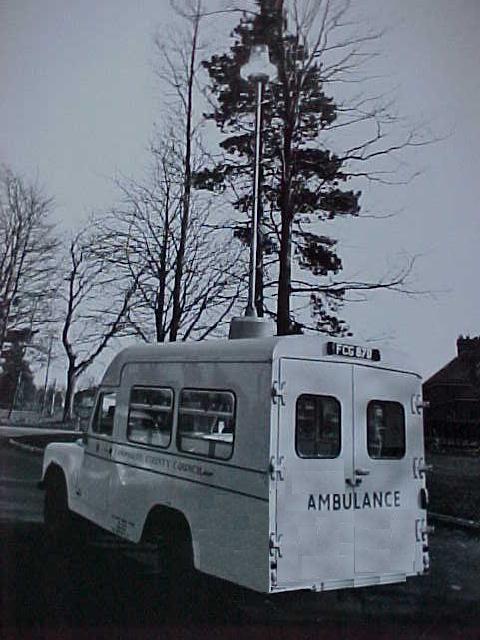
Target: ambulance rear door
386,500
313,540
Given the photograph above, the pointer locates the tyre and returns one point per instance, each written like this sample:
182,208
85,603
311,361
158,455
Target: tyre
176,549
178,579
59,522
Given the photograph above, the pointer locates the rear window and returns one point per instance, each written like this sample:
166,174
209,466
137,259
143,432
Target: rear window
318,428
385,429
206,423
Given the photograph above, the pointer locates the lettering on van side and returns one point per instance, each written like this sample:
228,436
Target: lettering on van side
337,501
159,462
121,526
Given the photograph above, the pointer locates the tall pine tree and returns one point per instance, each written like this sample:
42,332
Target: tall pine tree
303,183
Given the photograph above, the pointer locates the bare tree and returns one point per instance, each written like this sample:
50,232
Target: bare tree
178,69
28,255
96,304
189,276
145,237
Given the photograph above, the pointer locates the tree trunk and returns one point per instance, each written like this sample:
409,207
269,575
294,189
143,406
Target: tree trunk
258,294
69,393
285,267
284,278
285,253
259,306
187,187
160,321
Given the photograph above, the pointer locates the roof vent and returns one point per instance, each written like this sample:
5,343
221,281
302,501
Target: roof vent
250,327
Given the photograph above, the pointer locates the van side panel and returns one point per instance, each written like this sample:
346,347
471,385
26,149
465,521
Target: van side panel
224,501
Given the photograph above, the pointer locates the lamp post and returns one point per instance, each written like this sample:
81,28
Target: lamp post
259,70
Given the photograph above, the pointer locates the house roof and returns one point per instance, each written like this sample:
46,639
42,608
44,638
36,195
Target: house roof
457,371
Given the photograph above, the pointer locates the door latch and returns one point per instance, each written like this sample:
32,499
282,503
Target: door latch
359,475
353,483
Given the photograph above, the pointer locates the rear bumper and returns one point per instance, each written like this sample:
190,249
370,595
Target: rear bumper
347,583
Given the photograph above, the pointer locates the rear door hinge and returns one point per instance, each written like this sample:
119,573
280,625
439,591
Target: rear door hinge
277,468
423,530
420,467
418,404
278,392
275,545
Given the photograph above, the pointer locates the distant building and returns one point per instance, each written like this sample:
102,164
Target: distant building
453,418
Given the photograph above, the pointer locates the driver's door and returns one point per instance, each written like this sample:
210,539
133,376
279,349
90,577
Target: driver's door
94,475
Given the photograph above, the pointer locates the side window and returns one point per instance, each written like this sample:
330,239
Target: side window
385,429
318,427
104,413
206,423
150,416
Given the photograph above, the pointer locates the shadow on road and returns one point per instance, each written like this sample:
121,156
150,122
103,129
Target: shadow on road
104,586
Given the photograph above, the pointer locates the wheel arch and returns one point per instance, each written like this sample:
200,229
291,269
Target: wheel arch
165,518
65,457
53,472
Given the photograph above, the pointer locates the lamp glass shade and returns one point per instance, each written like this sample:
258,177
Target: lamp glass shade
259,66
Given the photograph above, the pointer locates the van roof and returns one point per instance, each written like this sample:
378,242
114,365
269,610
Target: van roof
245,350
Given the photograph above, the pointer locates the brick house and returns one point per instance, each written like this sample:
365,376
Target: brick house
453,418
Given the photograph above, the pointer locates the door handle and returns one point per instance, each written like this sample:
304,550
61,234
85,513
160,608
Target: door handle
353,483
362,472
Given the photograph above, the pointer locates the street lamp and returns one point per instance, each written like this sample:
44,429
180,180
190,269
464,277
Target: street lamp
259,70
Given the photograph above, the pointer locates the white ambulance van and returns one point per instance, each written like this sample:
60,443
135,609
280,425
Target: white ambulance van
277,463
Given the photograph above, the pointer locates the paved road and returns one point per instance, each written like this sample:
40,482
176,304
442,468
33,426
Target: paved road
20,499
103,586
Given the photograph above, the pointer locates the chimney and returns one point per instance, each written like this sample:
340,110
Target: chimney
466,343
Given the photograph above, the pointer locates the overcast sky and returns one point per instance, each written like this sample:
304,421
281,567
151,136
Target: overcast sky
79,100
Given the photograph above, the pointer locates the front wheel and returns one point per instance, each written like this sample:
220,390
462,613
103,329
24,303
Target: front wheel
60,525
